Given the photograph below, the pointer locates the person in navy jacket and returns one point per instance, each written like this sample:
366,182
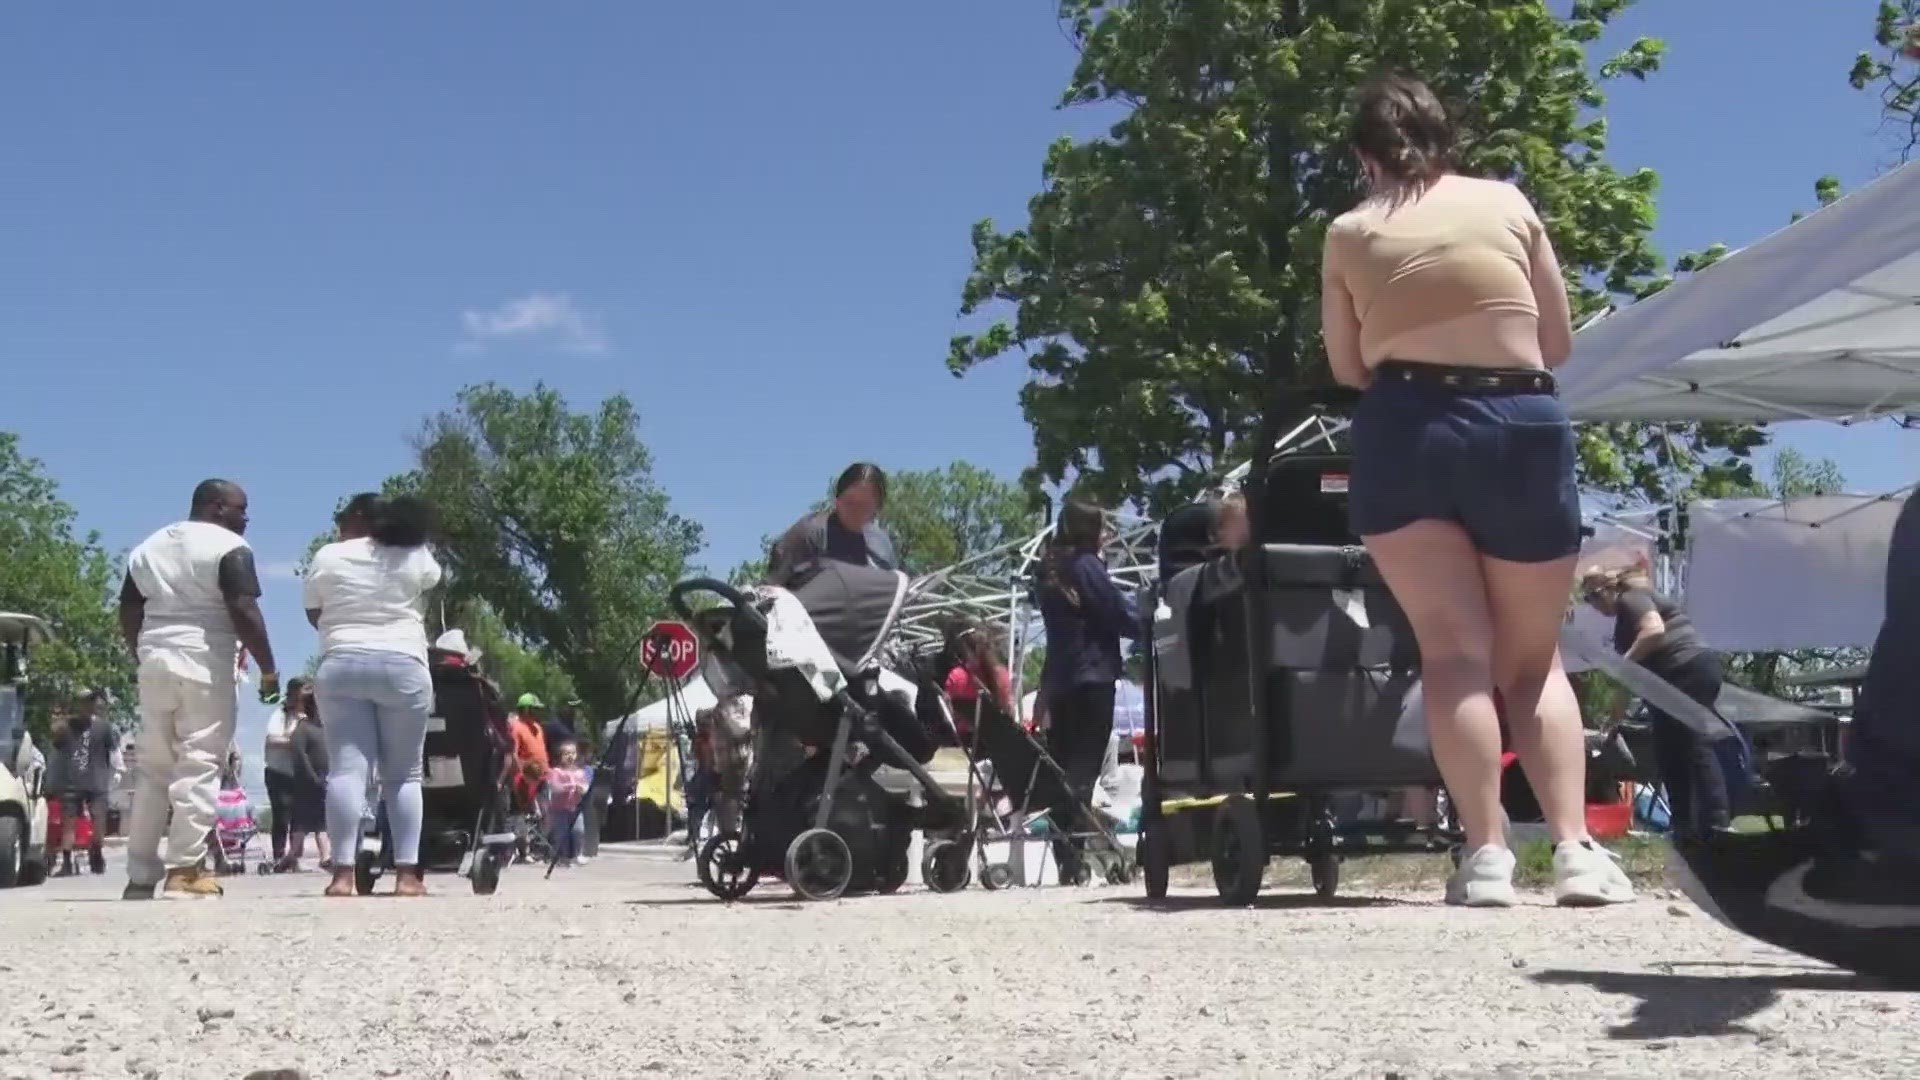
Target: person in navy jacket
1086,616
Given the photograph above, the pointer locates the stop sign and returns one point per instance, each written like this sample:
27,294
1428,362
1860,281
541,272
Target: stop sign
670,650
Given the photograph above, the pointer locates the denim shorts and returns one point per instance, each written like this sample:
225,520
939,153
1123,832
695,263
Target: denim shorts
1497,463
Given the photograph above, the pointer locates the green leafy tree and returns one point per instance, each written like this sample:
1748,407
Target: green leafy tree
507,660
1168,273
1889,70
1796,476
939,517
50,568
554,531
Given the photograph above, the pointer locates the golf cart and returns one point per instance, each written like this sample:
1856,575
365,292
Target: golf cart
23,812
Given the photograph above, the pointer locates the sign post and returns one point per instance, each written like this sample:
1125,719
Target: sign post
670,650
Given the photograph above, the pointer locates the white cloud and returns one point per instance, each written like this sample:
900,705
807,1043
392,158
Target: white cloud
289,571
545,316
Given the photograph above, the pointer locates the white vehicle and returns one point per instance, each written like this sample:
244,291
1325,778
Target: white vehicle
23,811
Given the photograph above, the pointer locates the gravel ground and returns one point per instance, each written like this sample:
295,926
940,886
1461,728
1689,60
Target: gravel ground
623,969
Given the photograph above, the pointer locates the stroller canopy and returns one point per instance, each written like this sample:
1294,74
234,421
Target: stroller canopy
853,607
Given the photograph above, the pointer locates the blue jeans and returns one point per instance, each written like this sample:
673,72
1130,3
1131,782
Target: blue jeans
1497,463
568,830
374,708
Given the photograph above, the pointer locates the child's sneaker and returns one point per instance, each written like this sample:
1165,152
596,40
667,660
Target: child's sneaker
1484,879
190,883
1586,875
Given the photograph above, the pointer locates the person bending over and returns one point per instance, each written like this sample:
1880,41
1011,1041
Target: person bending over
849,531
1652,631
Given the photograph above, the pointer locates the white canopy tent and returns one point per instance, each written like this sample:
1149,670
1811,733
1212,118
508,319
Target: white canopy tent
1820,321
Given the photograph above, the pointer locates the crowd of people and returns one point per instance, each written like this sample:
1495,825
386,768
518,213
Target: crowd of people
1444,303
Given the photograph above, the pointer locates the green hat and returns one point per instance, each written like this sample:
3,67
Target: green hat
529,701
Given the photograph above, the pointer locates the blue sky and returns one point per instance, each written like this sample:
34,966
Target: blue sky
263,242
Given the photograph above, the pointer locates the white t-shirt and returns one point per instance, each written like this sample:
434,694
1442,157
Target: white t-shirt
371,597
279,751
186,630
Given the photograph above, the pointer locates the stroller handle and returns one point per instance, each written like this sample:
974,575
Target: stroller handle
677,598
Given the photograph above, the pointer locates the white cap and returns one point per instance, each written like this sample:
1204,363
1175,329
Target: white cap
455,641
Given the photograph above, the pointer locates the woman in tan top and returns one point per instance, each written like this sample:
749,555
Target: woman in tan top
1443,300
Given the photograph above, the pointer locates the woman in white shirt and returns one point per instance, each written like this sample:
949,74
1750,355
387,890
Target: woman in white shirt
278,758
365,595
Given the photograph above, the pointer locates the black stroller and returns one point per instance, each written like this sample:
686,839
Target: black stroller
814,813
463,794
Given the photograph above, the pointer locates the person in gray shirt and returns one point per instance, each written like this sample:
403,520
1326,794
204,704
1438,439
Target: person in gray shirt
80,773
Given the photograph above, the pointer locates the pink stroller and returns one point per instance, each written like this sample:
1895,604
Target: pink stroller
234,829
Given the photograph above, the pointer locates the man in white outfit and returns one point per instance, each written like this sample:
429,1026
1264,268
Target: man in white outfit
190,599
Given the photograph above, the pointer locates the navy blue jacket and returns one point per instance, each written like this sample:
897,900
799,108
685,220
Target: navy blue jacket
1083,642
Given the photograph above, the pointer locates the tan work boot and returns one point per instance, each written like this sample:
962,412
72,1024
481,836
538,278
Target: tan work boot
190,883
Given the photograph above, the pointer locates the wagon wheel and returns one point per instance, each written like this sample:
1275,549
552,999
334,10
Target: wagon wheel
1239,850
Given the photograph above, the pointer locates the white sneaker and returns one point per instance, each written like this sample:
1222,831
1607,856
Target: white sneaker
1586,875
1484,879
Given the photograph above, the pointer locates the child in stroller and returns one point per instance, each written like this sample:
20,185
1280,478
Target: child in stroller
1017,776
823,725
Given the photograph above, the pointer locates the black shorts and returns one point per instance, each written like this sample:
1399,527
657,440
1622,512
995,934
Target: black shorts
308,812
1497,462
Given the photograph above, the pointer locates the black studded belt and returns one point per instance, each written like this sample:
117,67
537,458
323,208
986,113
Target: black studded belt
1464,379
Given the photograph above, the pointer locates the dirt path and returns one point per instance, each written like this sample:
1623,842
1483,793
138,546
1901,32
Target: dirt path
621,969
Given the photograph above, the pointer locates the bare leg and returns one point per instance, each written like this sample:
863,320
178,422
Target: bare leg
1434,573
1529,603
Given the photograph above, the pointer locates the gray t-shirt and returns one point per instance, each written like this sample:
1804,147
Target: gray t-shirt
82,762
1680,644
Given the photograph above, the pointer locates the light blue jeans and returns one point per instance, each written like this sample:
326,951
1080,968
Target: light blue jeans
374,708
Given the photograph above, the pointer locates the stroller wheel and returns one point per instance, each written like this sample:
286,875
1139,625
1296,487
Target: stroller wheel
1083,874
723,870
486,872
895,875
996,876
366,872
264,869
946,867
1120,871
819,864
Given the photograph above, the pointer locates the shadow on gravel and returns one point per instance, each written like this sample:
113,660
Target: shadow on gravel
1271,902
1689,1006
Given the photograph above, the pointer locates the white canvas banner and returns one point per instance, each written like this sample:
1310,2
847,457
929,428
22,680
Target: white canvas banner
1804,574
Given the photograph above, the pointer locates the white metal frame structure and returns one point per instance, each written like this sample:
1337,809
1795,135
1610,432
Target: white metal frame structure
991,587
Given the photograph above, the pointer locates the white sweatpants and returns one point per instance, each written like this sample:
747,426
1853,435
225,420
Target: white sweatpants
186,727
